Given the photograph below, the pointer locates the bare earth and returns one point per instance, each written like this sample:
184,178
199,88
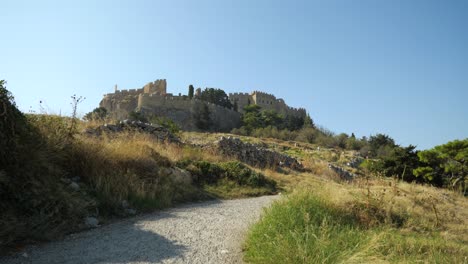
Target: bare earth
208,232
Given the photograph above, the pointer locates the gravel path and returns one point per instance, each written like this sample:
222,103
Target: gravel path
208,232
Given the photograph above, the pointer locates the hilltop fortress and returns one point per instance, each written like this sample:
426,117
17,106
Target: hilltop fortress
153,99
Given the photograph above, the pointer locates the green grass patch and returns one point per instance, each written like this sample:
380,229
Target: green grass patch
304,229
309,228
230,179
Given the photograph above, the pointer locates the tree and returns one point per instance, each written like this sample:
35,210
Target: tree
381,145
341,140
308,122
271,118
235,106
191,90
99,113
353,143
201,116
401,163
252,118
445,164
292,122
216,96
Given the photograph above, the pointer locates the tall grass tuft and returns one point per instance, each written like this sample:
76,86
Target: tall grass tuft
304,229
333,223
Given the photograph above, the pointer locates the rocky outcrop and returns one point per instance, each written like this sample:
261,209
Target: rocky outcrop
344,174
159,132
255,155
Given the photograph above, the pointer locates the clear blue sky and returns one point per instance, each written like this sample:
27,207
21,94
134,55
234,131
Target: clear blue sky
395,67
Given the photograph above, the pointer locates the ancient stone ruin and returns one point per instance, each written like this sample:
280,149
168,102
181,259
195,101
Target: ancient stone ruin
153,99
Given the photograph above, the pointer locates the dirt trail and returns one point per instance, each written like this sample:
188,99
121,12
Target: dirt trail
208,232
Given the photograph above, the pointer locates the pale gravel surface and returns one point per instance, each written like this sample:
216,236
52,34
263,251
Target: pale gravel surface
208,232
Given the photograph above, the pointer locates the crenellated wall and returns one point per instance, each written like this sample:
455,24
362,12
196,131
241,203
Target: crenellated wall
154,99
266,101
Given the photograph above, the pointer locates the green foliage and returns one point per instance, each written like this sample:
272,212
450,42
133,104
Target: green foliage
304,229
191,91
341,140
254,118
380,145
99,113
165,122
445,164
354,144
307,227
216,96
399,162
308,122
293,122
201,116
211,173
33,202
138,116
13,128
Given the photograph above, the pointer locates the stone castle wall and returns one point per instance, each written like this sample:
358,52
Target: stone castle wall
154,99
180,109
266,101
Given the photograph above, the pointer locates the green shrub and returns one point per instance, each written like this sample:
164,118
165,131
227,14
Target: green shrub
211,173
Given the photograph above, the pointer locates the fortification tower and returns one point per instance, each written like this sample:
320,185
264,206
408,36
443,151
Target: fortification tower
157,87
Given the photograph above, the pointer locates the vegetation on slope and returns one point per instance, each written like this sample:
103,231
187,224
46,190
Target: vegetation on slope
372,219
52,177
379,221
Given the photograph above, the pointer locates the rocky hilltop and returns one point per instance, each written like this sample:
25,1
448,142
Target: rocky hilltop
153,99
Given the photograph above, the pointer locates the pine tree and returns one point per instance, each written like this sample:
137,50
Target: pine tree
190,91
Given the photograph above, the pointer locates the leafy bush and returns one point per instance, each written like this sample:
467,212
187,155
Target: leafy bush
211,173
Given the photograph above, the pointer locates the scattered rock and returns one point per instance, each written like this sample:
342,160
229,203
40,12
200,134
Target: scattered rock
344,174
91,222
159,132
255,155
354,163
74,186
